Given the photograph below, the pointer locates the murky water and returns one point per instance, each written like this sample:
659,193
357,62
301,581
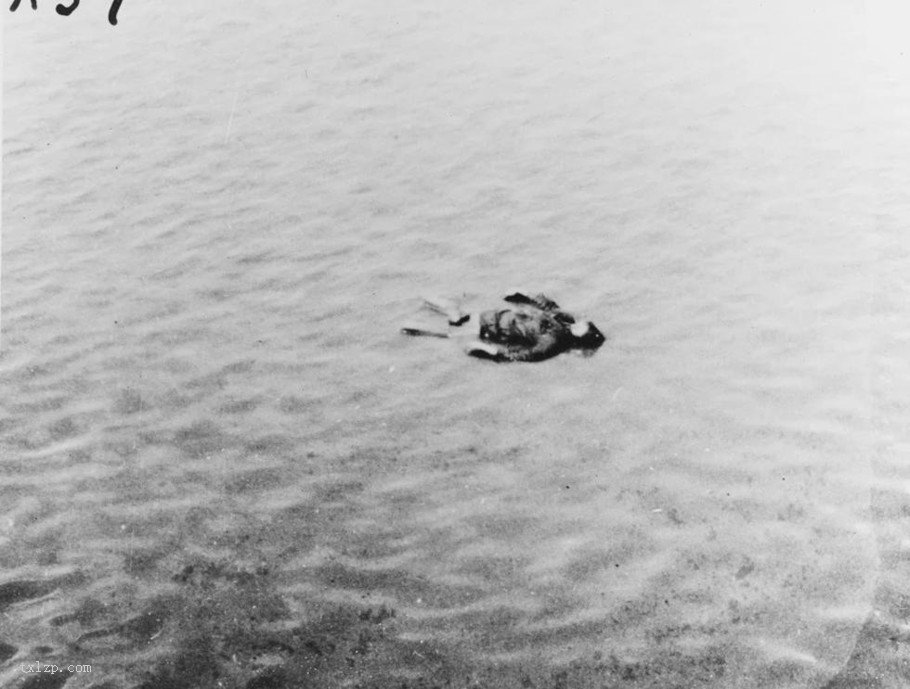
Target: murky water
223,466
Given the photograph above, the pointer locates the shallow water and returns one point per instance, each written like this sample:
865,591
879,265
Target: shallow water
223,466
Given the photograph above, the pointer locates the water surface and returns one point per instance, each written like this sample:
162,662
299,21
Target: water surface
223,466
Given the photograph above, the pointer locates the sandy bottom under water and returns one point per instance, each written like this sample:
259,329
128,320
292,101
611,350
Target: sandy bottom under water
222,466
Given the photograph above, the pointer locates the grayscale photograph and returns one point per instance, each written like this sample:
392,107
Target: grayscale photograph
455,345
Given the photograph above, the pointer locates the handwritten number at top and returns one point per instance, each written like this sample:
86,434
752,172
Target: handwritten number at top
67,10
